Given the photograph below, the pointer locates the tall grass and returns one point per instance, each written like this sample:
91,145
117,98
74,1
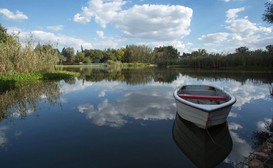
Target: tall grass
16,58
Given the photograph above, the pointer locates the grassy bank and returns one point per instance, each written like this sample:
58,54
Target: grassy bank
82,66
10,81
110,64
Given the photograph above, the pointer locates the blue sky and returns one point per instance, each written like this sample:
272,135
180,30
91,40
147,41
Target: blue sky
188,25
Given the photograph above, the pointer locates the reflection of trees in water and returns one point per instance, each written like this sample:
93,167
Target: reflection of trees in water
24,99
131,76
146,75
241,76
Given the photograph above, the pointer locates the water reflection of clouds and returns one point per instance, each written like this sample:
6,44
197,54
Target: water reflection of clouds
78,86
104,114
17,113
246,93
241,148
263,125
148,105
232,114
153,103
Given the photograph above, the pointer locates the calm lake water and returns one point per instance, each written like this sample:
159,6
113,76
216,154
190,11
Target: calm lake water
127,118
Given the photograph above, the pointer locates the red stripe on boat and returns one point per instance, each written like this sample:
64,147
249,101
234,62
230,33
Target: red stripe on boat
202,97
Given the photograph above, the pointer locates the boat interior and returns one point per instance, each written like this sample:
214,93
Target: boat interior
203,95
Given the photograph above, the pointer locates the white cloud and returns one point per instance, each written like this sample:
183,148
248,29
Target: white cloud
55,27
106,43
102,11
231,0
160,22
242,27
48,37
215,38
157,22
100,34
241,32
177,44
19,16
232,13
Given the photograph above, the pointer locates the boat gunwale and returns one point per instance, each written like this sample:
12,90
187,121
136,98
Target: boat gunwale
202,107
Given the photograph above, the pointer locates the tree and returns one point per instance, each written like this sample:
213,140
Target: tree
199,53
3,34
79,56
268,15
5,37
137,53
68,53
165,55
269,48
241,50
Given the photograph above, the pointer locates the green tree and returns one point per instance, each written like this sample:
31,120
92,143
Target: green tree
68,53
87,60
269,49
241,50
79,57
199,53
3,34
137,53
119,53
268,14
165,55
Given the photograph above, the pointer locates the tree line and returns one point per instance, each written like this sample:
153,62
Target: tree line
129,54
169,56
242,57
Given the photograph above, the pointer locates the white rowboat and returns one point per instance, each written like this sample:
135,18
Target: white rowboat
203,105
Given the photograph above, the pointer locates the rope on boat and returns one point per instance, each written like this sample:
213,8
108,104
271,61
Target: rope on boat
211,137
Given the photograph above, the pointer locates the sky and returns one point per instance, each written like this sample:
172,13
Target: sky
219,26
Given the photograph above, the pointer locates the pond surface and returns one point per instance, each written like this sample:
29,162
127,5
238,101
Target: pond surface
127,118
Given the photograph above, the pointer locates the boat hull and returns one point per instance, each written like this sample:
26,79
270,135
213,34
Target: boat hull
204,116
202,119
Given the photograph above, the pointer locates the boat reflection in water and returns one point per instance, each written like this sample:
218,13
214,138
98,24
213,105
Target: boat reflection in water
206,148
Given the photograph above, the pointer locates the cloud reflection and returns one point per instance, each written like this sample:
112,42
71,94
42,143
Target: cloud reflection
144,104
148,105
263,125
68,88
241,148
247,92
104,114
